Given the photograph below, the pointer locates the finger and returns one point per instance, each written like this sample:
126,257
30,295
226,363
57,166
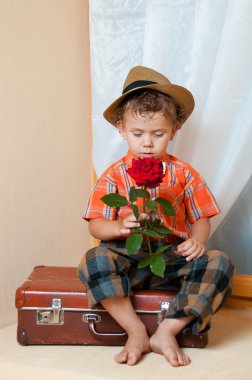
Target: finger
130,218
188,248
194,249
185,245
196,254
125,232
133,224
143,216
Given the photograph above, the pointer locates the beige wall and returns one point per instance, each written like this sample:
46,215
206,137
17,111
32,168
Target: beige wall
45,157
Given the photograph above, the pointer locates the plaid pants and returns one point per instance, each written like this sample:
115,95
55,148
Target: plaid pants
202,284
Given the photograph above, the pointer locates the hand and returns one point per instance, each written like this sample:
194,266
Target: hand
130,221
191,249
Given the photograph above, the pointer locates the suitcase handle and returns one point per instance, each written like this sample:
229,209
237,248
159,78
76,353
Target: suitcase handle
92,319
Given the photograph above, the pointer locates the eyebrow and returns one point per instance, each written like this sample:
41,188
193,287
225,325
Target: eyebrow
143,129
136,129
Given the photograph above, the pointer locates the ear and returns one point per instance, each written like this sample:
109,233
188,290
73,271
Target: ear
120,127
175,127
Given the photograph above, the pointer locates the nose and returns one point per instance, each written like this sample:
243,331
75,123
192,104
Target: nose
148,140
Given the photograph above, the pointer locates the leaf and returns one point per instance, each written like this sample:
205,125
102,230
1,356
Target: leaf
152,233
133,194
157,266
134,243
156,263
135,211
162,230
152,205
141,193
144,262
166,205
138,229
162,249
115,200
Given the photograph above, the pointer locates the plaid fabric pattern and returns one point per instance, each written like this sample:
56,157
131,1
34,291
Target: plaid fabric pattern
202,284
182,185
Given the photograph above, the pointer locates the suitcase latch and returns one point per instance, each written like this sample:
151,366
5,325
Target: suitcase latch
95,318
52,316
163,311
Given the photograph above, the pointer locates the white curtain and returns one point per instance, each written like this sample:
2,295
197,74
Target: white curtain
205,45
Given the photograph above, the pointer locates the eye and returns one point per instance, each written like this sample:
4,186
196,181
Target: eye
137,134
158,134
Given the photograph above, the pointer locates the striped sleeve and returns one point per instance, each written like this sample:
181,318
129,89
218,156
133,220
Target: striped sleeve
95,207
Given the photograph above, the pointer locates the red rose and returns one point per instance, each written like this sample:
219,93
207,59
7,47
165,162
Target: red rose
146,172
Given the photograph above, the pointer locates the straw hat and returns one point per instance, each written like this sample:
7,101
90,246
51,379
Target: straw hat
140,77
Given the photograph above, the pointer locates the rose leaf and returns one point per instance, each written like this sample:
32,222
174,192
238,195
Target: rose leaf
162,230
115,200
156,263
144,262
133,194
134,243
152,205
141,193
135,211
152,233
166,205
162,249
158,266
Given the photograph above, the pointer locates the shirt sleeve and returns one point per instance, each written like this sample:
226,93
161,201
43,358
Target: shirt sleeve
95,207
199,201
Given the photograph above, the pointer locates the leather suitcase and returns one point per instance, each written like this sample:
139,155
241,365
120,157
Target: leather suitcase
52,309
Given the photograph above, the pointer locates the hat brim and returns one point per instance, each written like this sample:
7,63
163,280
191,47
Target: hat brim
181,95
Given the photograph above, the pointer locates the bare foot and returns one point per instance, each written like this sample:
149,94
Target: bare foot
136,345
164,342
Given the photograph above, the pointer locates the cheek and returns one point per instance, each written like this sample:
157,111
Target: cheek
162,141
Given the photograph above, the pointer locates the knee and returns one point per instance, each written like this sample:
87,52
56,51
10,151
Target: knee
96,262
82,269
221,262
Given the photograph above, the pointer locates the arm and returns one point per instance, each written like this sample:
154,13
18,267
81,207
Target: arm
194,247
104,229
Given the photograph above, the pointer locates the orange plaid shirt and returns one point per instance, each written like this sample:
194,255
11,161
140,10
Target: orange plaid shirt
182,185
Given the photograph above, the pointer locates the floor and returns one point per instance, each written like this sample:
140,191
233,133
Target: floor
227,357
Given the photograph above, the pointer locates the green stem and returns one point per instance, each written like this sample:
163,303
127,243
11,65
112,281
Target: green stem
149,245
144,202
144,210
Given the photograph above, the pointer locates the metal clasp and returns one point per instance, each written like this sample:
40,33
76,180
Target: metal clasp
95,318
51,316
163,311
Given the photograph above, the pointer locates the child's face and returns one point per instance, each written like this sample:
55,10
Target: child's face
148,135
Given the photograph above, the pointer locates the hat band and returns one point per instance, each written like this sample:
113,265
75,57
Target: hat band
138,83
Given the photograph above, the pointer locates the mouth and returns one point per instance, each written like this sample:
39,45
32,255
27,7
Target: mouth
146,154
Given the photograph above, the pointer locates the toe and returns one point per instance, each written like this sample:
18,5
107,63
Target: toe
173,360
183,359
133,358
122,357
187,360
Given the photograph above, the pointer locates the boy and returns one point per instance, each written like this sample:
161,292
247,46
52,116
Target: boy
148,114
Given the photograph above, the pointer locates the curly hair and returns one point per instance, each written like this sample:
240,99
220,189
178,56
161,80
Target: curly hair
150,101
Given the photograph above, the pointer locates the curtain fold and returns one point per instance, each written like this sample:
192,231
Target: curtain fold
205,46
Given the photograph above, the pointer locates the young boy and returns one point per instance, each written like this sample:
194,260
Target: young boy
148,114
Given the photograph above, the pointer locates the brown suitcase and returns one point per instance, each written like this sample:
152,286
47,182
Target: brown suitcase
52,309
